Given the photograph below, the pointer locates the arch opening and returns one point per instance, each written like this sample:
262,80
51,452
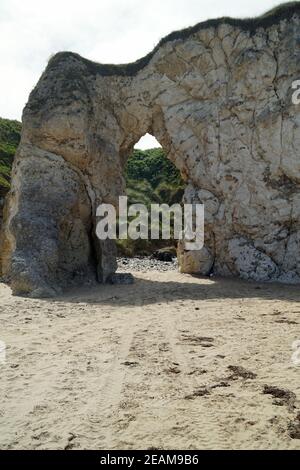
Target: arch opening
151,178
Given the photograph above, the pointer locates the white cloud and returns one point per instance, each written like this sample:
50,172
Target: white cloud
112,31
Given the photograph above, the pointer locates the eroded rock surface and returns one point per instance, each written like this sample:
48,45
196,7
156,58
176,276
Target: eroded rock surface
218,98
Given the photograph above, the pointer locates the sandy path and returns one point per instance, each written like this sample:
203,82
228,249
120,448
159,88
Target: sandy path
149,366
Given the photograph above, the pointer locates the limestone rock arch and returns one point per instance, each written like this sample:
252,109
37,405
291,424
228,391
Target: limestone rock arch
218,97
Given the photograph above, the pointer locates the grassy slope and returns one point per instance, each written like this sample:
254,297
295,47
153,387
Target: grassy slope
10,132
150,178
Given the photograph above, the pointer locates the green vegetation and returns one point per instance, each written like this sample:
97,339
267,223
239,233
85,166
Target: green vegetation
150,178
10,132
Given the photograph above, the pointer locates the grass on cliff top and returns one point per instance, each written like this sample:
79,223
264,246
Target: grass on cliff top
266,20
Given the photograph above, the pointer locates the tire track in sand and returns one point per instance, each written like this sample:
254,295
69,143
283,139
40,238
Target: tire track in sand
102,410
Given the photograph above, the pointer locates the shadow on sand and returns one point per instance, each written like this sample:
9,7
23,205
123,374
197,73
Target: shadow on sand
146,291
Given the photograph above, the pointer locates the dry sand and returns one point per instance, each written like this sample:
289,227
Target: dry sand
171,362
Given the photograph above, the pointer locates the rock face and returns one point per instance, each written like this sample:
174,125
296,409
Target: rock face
218,97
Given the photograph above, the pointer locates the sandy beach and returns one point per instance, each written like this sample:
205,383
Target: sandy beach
170,362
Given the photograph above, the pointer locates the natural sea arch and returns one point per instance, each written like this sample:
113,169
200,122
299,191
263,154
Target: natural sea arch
218,98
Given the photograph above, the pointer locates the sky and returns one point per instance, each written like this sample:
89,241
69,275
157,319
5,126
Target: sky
107,31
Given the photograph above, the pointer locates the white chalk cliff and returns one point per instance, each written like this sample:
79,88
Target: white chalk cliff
218,97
